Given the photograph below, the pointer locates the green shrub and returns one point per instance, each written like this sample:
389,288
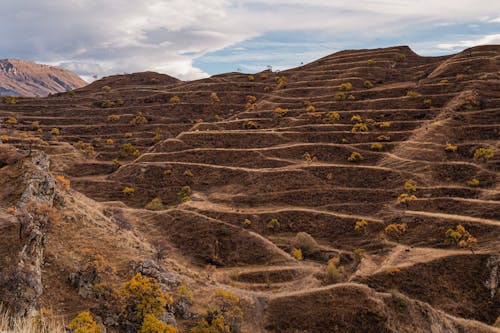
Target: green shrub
400,57
155,204
127,149
370,62
368,84
412,94
427,102
340,96
106,88
107,104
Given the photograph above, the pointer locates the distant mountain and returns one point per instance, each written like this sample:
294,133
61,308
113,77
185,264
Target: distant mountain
24,78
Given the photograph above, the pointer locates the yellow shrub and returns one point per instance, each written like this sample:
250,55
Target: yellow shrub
55,131
155,204
345,86
405,198
310,108
281,112
410,186
35,124
4,138
334,273
297,253
356,118
473,182
460,237
359,127
110,141
251,78
175,99
144,296
128,190
274,224
340,96
332,117
384,124
151,324
483,154
361,226
10,100
184,291
450,148
368,84
139,119
377,146
412,94
85,323
395,230
355,157
106,88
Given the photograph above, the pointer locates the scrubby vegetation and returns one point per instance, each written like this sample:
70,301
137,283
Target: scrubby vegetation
155,204
85,323
483,154
281,112
460,237
139,119
128,149
450,148
355,157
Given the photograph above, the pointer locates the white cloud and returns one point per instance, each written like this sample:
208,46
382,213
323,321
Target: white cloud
489,39
114,36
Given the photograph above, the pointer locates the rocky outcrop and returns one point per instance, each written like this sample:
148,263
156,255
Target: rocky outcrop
34,211
149,268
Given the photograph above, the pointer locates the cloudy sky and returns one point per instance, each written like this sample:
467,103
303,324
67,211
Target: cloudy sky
191,39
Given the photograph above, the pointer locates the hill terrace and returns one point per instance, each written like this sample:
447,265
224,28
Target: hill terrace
356,193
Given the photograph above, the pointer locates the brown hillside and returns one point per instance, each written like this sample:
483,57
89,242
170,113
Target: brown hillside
24,78
378,155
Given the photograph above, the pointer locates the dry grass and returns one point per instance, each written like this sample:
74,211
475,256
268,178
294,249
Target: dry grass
15,324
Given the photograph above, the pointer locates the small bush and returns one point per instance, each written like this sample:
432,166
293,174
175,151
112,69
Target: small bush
139,119
473,182
355,157
361,226
359,127
4,138
151,324
155,204
184,291
384,138
273,225
351,97
35,125
368,84
444,81
400,56
384,124
107,104
281,112
356,118
405,198
297,253
188,173
55,131
334,273
370,62
340,96
128,190
427,102
411,186
85,323
251,125
120,102
65,182
460,237
412,94
127,135
158,135
185,193
85,148
175,99
113,117
483,154
11,121
311,108
332,117
395,230
247,223
251,78
127,149
10,100
214,98
281,81
346,86
106,88
377,146
450,148
110,142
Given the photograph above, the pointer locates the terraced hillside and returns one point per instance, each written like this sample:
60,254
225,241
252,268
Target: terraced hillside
357,193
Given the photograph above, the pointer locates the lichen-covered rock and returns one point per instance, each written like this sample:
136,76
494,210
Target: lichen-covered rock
149,268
